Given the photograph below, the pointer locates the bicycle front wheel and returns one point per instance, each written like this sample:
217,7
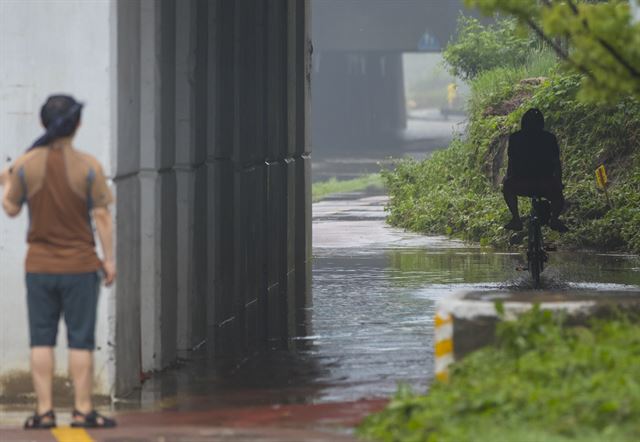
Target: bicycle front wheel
536,255
535,268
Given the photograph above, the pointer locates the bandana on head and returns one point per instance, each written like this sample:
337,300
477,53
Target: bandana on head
62,126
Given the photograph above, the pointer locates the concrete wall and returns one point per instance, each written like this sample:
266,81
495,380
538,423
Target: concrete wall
213,177
198,109
46,47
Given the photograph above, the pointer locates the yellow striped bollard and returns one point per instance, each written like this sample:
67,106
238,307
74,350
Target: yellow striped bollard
444,345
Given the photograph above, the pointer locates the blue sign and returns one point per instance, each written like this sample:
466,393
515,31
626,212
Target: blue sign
429,43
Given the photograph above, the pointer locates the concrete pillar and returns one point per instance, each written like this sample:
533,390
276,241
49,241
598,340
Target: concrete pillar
303,250
260,143
127,115
150,187
167,176
186,35
213,152
359,100
203,85
146,85
224,215
276,149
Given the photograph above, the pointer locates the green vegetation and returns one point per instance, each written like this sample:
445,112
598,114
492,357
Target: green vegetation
595,38
457,190
479,48
323,189
541,381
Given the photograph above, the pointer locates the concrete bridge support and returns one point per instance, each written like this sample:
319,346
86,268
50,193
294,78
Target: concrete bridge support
359,99
213,179
358,78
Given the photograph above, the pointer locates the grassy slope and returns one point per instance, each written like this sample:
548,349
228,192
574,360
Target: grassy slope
456,192
540,382
325,188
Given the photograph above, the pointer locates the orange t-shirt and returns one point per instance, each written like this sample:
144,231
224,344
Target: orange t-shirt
61,186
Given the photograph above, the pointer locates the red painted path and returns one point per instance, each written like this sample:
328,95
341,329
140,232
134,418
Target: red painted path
316,422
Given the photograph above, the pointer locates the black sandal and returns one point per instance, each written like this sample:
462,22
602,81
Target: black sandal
44,421
93,419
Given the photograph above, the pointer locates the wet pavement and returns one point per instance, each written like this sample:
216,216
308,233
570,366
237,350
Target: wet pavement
375,290
427,131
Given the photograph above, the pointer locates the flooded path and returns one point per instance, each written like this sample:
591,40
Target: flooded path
375,289
371,327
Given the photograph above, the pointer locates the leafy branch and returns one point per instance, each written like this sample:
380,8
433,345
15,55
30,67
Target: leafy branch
605,43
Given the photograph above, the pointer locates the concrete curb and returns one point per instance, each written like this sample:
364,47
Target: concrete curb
466,321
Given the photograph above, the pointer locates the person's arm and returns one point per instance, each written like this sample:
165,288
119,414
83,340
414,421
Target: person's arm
11,189
104,226
557,164
101,199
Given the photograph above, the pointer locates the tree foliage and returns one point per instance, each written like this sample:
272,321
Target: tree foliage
603,42
478,48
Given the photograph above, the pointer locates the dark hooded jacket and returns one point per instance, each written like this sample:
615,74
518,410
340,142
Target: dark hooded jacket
533,152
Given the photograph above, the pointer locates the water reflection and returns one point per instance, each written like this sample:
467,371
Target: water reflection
565,269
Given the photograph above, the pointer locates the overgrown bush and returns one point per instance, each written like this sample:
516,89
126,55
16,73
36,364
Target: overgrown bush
479,48
541,381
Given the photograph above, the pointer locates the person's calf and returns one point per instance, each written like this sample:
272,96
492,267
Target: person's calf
81,369
42,367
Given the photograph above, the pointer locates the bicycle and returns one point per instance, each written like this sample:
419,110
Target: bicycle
536,253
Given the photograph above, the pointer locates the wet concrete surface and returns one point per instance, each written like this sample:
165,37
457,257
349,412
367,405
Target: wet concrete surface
427,131
375,290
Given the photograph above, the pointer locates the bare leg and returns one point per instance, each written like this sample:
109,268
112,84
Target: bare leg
42,363
81,368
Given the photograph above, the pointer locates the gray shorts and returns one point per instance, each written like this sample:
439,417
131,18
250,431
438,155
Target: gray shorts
74,295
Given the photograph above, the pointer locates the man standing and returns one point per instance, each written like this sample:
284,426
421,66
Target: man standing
64,190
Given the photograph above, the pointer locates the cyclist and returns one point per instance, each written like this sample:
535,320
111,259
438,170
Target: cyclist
534,169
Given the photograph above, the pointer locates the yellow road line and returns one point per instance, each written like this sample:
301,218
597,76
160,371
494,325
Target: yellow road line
68,434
